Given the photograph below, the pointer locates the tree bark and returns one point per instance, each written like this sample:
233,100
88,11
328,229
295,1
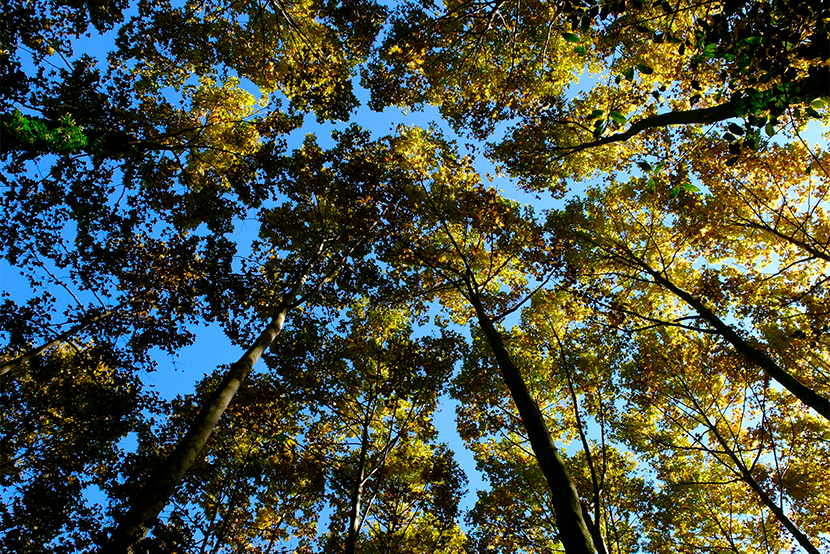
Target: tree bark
596,532
573,531
804,393
747,478
151,498
357,493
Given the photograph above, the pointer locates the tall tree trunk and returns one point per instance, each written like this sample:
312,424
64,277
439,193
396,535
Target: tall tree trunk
596,531
8,369
151,498
573,531
593,525
357,493
746,477
804,393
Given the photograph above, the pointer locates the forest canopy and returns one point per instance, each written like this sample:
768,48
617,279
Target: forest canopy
599,229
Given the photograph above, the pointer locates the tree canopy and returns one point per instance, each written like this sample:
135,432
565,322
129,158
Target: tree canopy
597,228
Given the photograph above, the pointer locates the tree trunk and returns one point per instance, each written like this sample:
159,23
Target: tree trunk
804,393
357,494
596,532
151,498
747,478
573,531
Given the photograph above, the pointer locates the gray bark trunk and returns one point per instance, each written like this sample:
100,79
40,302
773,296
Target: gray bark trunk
357,494
151,498
804,393
573,531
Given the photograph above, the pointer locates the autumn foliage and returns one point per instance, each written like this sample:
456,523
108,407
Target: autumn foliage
608,252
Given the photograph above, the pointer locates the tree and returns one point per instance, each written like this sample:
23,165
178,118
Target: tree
470,260
320,235
389,482
62,422
644,368
721,429
346,428
248,487
649,251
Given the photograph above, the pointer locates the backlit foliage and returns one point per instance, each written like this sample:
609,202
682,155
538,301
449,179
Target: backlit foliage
610,251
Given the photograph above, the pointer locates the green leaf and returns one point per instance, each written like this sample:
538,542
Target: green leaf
818,103
675,191
599,130
580,50
595,114
689,187
629,74
617,117
659,167
731,161
645,69
570,37
645,166
650,185
769,128
709,51
754,41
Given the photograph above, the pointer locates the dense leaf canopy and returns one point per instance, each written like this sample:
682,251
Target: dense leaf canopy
599,229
